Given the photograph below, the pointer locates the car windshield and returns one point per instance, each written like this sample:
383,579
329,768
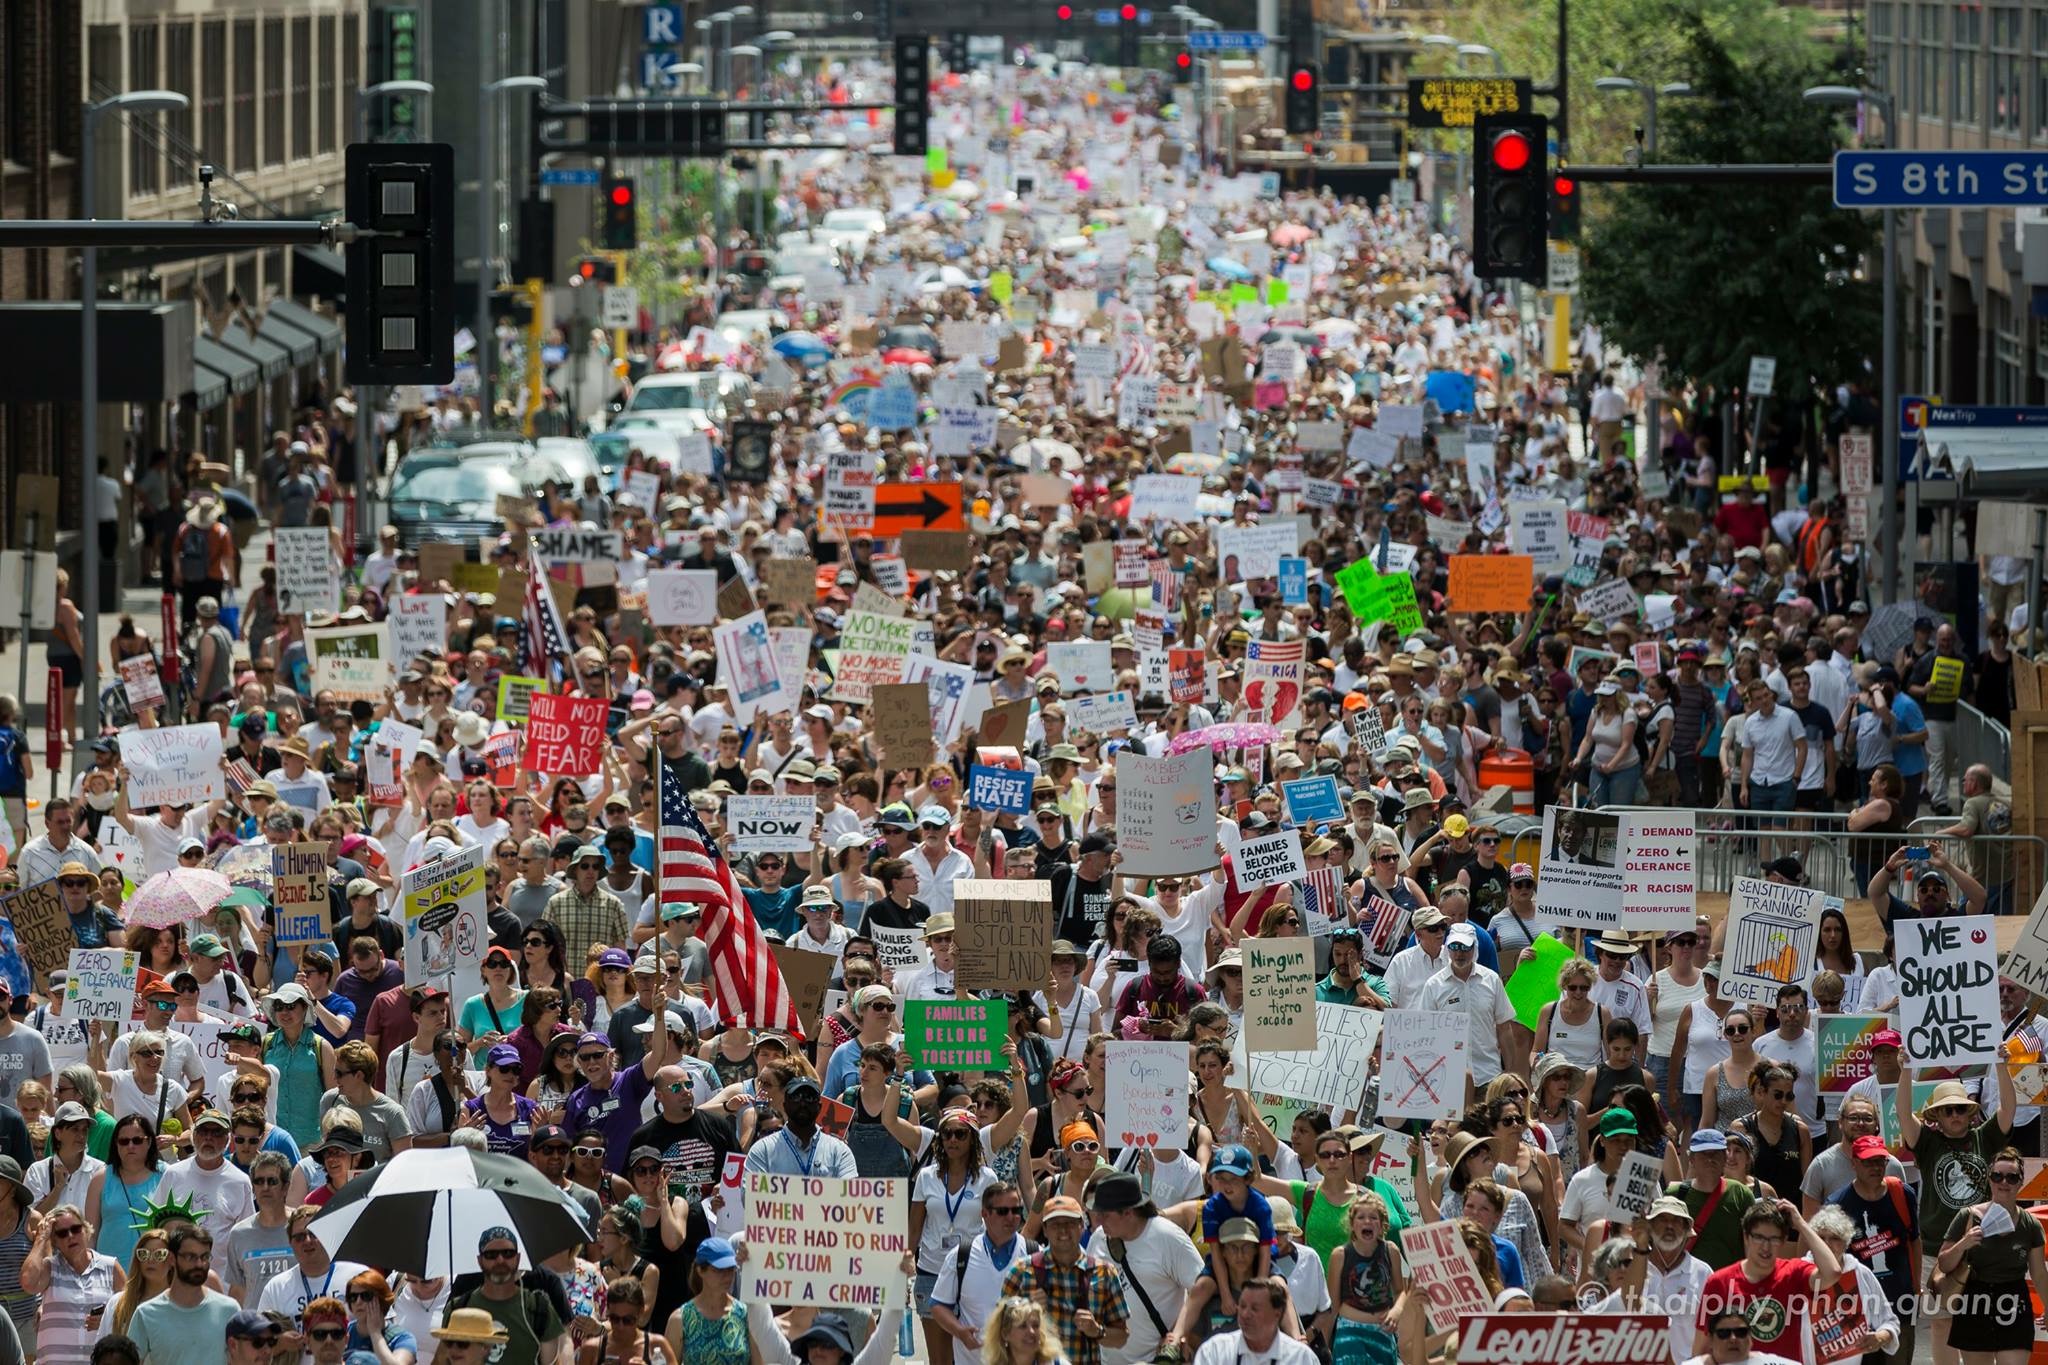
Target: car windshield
456,481
667,397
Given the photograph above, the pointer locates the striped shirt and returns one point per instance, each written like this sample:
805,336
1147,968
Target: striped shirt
70,1326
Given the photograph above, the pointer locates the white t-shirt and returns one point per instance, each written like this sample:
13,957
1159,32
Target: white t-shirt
1229,1349
1625,998
130,1098
182,1062
1802,1055
981,1287
950,1217
1481,996
1168,1264
289,1291
222,1197
160,841
1587,1199
1773,739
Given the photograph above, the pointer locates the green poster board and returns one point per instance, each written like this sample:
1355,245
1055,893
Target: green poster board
956,1035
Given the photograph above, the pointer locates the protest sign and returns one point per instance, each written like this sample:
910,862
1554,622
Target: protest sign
1659,886
1537,529
821,1242
1948,989
1247,552
466,577
307,581
1425,1078
1638,1183
350,661
1441,1270
515,697
565,735
100,986
951,687
573,545
419,626
1129,567
1649,658
1580,879
956,1035
747,667
1312,800
808,976
1080,665
1102,713
771,824
1483,583
177,765
1770,940
1147,1084
938,550
501,754
1187,673
1164,497
1842,1055
899,950
446,929
1613,600
1841,1328
792,646
872,648
1279,995
1272,682
439,560
2027,960
1166,822
1332,1074
1383,926
1534,983
1293,581
1002,935
140,682
790,582
1589,545
900,714
1268,860
1394,1162
1565,1338
42,931
298,874
682,597
1004,790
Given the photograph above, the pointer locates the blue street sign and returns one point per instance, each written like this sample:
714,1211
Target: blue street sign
1109,18
661,25
568,175
654,65
1938,179
1919,415
1225,40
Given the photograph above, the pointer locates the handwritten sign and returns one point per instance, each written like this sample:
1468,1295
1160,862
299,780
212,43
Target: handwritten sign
1002,935
1638,1183
299,891
1166,819
1483,583
898,950
175,765
351,662
565,735
682,597
419,625
41,928
1948,989
1279,995
819,1242
1330,1075
140,683
1425,1076
956,1035
1772,930
570,545
101,985
872,648
307,583
771,824
1441,1269
1148,1094
515,696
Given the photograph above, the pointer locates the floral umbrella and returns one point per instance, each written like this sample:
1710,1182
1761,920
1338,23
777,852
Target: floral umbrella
246,865
1230,735
173,897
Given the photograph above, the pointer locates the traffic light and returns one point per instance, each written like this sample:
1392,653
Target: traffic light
913,94
593,270
956,52
1063,21
1564,207
401,281
1127,36
1183,67
621,215
1303,99
1510,196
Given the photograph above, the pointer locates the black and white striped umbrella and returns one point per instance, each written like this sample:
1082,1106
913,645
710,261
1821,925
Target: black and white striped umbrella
423,1211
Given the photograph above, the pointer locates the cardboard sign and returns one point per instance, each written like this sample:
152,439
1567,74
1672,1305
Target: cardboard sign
682,597
176,764
1332,1074
1772,930
956,1035
565,735
1638,1183
351,662
515,696
1580,880
1002,726
938,550
1147,1085
820,1242
307,581
100,986
807,975
1659,875
437,560
140,682
470,578
749,669
1006,791
1166,819
790,582
1483,583
299,892
1441,1270
1268,861
1948,989
1279,995
771,824
1002,935
419,625
734,600
1426,1077
42,931
901,716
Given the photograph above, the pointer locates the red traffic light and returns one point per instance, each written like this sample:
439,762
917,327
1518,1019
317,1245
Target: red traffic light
1510,151
1064,13
1304,80
1130,14
1564,186
587,269
1183,60
622,194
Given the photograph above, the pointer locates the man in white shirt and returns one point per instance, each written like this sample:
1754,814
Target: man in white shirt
57,845
964,1294
1609,410
820,933
937,863
834,818
1157,1262
1258,1340
313,1275
1414,965
1665,1275
1616,989
1468,988
1773,752
220,1194
1797,1046
160,834
934,980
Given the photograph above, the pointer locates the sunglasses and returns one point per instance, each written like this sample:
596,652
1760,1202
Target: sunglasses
1735,1032
132,1142
2007,1177
260,1181
501,1254
75,1230
1731,1333
328,1333
645,1168
1084,1148
153,1255
594,1153
361,1295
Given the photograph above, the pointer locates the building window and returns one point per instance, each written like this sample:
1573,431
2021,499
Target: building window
246,148
351,63
145,139
2008,88
2041,348
1930,62
213,98
1881,37
302,89
1969,34
182,166
273,92
325,96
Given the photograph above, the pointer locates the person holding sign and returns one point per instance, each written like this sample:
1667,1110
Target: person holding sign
1993,1251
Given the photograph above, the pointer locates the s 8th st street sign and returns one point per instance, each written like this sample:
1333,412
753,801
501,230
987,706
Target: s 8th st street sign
1939,179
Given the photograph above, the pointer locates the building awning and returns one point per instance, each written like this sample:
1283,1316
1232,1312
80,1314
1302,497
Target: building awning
298,346
242,372
318,273
1999,461
272,360
209,388
325,331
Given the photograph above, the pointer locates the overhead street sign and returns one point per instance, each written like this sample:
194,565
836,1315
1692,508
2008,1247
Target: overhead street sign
568,175
1225,40
1454,101
1938,179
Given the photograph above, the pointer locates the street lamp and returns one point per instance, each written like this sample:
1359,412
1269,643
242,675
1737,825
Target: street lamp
682,71
1482,51
133,102
1650,94
1888,513
385,90
487,225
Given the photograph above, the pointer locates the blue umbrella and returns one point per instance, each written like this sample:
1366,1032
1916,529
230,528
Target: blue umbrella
803,346
1229,269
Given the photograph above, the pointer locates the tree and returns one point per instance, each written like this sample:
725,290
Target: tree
1707,276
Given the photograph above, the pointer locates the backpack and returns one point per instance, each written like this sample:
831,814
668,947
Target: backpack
194,547
1646,734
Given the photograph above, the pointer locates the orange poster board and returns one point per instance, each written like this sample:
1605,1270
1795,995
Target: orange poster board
1481,583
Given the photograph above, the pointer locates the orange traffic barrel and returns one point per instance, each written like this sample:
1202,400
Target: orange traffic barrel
1515,770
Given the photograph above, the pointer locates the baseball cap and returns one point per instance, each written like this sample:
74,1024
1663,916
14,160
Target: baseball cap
1887,1037
504,1055
191,845
1521,872
717,1254
1060,1206
1238,1230
549,1132
1670,1206
250,1325
208,945
212,1118
1232,1160
1462,936
1708,1140
1869,1147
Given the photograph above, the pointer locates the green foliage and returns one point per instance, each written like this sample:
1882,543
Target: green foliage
1707,276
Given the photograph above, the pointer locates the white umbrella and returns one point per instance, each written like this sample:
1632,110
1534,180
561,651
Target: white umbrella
424,1210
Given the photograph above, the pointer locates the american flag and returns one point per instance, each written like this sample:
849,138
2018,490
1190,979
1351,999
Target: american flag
1321,914
746,981
547,638
1165,586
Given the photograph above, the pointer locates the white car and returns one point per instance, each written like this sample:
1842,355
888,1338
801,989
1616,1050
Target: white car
754,327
